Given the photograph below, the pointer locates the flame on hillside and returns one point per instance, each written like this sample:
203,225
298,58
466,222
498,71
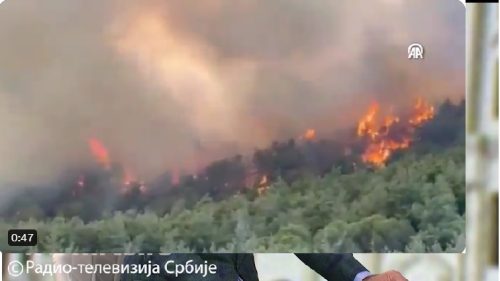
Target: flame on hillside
422,112
103,158
382,133
263,185
378,131
99,152
309,135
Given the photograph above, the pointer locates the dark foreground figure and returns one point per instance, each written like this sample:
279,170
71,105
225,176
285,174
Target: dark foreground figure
241,267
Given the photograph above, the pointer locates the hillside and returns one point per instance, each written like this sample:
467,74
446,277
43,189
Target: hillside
415,204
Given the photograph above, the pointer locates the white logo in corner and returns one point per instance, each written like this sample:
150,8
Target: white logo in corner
415,51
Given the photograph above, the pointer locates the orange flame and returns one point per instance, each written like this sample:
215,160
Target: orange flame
102,157
263,180
381,146
422,112
378,153
366,126
99,152
309,135
263,185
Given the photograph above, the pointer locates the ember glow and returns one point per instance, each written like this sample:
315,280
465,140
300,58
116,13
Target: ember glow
309,135
99,152
130,181
128,178
80,185
378,131
81,181
263,185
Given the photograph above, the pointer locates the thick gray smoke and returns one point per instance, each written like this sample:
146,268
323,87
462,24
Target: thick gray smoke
178,83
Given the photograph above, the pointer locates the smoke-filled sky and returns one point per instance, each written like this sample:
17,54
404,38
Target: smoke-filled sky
174,84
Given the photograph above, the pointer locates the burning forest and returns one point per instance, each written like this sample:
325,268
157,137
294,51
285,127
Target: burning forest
412,157
374,140
245,115
381,137
390,133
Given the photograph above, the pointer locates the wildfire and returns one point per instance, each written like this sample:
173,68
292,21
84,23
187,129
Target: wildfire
378,153
102,157
263,185
128,178
422,112
378,133
309,135
384,134
263,180
366,126
130,182
99,152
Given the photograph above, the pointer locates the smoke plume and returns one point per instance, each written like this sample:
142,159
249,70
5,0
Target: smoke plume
176,84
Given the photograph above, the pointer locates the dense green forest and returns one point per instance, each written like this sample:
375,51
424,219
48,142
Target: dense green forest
415,204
